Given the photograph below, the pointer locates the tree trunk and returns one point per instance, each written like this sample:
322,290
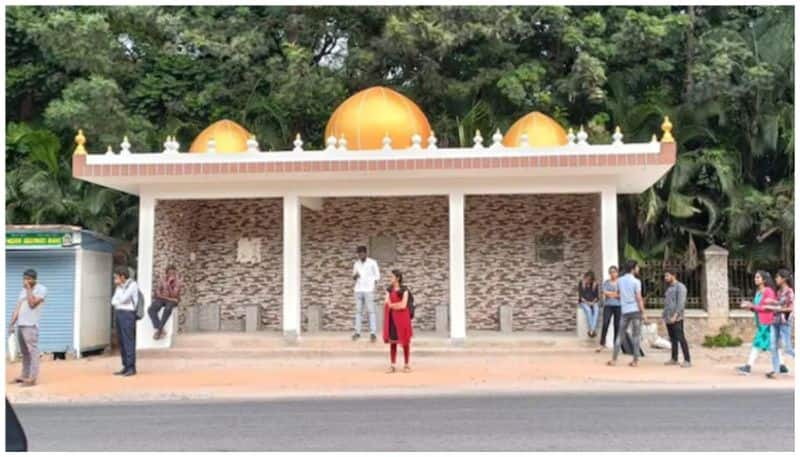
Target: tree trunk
689,85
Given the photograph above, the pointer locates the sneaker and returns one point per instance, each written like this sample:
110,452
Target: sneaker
356,336
686,364
671,362
373,338
784,369
157,335
772,375
744,369
119,373
28,383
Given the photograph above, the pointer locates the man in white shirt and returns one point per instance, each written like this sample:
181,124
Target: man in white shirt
124,302
366,275
26,319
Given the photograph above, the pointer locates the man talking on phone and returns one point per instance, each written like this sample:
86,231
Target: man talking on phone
26,319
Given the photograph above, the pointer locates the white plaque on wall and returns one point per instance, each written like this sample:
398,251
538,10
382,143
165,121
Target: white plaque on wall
248,250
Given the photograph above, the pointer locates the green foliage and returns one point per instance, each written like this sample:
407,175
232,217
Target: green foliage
722,340
724,75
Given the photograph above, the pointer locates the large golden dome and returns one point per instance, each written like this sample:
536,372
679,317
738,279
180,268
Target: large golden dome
366,117
542,131
228,135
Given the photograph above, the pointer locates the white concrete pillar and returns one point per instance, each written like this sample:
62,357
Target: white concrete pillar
609,243
458,308
291,267
608,228
144,277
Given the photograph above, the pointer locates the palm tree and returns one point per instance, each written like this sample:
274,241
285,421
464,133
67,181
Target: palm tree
40,188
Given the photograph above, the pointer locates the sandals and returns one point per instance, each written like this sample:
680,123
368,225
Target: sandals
391,369
633,364
407,369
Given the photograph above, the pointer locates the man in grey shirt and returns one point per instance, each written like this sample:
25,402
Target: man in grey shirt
674,304
26,319
632,307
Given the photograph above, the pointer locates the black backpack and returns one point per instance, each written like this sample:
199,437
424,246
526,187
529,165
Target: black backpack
139,305
409,303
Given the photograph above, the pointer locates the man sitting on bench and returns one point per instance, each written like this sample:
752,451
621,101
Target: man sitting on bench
167,296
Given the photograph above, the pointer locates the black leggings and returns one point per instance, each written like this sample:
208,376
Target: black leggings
609,311
676,337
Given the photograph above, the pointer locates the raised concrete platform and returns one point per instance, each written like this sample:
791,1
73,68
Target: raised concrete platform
338,344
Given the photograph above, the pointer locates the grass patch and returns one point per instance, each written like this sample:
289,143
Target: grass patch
723,340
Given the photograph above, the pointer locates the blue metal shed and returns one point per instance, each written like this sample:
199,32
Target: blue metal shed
76,267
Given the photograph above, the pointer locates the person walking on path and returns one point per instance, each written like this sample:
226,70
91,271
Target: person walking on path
366,275
588,300
124,301
397,324
167,296
762,315
611,307
782,322
674,305
632,307
26,318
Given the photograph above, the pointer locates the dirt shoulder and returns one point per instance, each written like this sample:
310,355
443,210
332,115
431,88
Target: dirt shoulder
210,378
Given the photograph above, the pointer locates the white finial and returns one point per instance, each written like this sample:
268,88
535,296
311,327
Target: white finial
497,140
582,136
211,148
109,151
523,140
478,140
654,139
252,144
298,144
342,144
416,142
387,143
176,147
617,136
125,145
432,141
167,146
331,144
570,136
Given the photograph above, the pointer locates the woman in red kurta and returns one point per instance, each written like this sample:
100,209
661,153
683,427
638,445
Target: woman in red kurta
397,324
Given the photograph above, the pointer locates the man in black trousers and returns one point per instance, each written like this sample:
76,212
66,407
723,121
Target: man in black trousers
124,302
674,305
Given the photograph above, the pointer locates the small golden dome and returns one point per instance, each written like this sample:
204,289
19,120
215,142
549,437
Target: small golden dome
366,117
542,131
228,136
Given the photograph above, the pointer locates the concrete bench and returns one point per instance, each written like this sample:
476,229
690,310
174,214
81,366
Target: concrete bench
314,317
208,318
582,328
252,320
580,323
506,319
442,318
191,322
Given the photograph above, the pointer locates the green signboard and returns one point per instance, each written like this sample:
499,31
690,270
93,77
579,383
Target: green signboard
38,240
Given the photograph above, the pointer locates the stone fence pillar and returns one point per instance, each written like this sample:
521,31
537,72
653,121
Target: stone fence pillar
715,287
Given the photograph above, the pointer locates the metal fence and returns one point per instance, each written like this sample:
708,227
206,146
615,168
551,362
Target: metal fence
653,285
740,280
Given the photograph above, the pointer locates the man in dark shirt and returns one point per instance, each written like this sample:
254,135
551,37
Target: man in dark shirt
674,305
167,296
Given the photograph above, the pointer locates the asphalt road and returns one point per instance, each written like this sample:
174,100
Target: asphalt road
734,421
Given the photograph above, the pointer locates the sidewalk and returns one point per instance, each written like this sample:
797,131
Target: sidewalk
239,367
